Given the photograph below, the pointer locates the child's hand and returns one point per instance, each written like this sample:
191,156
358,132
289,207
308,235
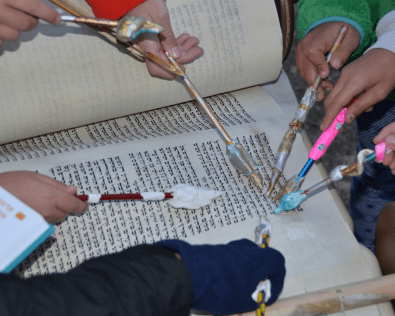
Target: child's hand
388,134
183,49
372,74
310,53
52,199
21,15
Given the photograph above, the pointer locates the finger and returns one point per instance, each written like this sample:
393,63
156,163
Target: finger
390,142
8,34
309,71
342,98
306,69
386,131
38,9
72,189
320,94
392,165
68,203
190,55
17,19
335,91
327,85
167,37
365,101
49,181
55,216
152,44
315,53
182,38
157,71
345,49
388,158
189,43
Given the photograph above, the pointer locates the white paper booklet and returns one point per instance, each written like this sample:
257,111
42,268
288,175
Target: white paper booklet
21,231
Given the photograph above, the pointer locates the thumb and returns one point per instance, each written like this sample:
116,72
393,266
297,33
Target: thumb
341,55
390,141
168,39
348,45
389,129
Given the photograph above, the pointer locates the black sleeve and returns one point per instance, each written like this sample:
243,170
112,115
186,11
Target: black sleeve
144,280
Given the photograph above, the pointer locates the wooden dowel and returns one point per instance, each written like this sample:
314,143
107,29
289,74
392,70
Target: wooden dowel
336,299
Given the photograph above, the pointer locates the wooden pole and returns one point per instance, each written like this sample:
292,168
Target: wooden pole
334,300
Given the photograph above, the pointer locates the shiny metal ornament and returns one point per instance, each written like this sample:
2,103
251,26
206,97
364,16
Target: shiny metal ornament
129,27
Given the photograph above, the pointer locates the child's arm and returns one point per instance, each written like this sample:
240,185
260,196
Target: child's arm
144,280
372,75
52,199
167,278
21,15
318,24
388,134
183,49
310,53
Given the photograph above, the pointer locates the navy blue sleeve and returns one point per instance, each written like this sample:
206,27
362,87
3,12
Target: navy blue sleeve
144,280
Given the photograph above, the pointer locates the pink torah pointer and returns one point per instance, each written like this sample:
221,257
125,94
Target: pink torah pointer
324,141
327,137
381,149
293,199
318,150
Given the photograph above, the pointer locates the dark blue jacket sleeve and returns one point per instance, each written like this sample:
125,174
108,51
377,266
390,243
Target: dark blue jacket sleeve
144,280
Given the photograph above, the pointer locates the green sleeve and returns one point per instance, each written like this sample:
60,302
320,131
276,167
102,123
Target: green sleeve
361,14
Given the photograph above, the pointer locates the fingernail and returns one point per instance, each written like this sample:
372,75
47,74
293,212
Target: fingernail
336,63
350,118
322,74
175,52
58,20
319,95
390,139
328,89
